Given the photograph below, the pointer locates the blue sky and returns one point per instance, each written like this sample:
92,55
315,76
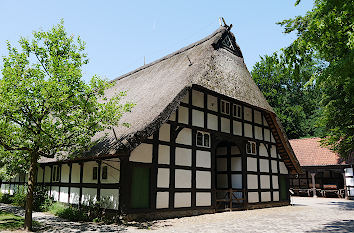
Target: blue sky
120,33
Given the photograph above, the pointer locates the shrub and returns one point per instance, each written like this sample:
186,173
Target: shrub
41,199
5,198
19,197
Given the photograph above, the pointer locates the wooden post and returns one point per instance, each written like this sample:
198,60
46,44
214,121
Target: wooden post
313,184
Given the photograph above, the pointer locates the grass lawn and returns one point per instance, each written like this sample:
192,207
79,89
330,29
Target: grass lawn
12,222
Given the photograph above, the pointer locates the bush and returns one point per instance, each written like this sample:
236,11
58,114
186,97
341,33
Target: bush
19,197
5,198
41,199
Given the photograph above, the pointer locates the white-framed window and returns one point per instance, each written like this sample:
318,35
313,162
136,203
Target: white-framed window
56,173
225,107
251,148
203,139
237,111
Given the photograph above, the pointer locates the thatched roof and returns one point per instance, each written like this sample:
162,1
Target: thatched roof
157,88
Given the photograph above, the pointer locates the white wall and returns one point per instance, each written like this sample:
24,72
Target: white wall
110,198
182,199
88,172
142,153
162,200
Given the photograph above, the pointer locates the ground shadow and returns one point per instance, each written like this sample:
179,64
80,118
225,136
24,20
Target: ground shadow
337,226
343,205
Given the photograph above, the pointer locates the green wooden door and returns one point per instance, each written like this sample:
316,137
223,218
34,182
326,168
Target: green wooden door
283,187
140,191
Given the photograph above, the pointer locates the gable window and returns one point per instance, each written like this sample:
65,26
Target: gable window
225,107
104,173
203,139
236,110
251,148
228,43
94,173
56,173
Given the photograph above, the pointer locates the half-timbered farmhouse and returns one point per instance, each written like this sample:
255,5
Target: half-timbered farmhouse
202,139
332,175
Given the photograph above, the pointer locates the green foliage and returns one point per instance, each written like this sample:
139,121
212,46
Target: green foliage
5,198
41,199
19,197
326,33
294,101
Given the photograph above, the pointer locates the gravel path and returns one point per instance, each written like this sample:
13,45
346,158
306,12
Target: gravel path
306,215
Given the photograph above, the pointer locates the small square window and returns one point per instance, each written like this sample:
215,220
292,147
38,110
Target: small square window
94,173
203,139
236,110
225,107
251,148
104,173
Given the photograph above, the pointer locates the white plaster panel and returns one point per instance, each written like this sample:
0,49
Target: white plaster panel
265,182
164,134
237,128
183,156
349,181
203,179
173,116
225,125
203,199
110,198
222,181
252,181
263,150
47,174
275,196
264,165
265,196
248,130
162,200
55,193
253,197
257,117
186,98
236,181
182,200
267,135
143,153
65,173
212,122
64,197
221,164
183,178
88,195
251,164
74,195
88,172
348,171
212,103
75,173
163,178
198,118
275,182
203,159
39,175
272,139
236,164
274,166
221,151
183,115
198,98
164,154
273,151
258,133
235,150
113,171
282,168
184,137
265,122
247,114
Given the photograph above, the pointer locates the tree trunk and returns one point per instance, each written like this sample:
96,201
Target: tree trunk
30,190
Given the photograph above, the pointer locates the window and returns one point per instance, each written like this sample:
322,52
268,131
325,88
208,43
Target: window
94,173
251,148
104,173
236,111
203,139
56,174
228,43
225,107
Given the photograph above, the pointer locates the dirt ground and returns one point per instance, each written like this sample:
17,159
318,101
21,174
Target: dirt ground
305,215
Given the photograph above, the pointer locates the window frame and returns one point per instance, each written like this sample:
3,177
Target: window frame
238,112
104,172
224,104
94,172
56,173
203,139
251,145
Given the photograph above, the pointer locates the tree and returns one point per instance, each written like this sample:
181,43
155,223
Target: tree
326,33
46,108
294,101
